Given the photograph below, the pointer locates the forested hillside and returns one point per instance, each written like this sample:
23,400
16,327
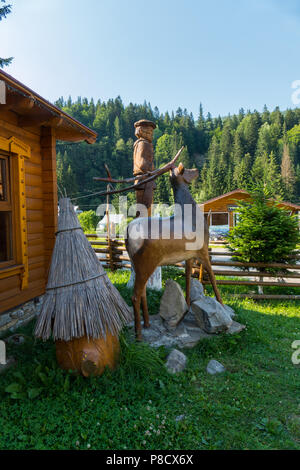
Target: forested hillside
232,152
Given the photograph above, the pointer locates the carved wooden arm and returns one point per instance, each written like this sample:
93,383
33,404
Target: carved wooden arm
142,179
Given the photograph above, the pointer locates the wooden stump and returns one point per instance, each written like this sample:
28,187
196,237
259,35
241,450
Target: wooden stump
88,356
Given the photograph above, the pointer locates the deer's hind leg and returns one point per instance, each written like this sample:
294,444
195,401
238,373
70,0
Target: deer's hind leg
207,265
142,273
139,287
188,273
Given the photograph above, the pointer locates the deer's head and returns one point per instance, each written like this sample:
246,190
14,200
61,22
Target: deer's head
180,175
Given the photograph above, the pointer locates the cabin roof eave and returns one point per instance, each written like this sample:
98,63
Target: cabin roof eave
40,111
235,192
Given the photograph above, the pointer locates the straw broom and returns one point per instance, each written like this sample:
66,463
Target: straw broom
80,301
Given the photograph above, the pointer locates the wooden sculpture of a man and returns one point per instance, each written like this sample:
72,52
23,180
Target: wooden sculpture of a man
143,156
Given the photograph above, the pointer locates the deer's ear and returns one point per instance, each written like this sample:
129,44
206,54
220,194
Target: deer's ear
190,175
180,169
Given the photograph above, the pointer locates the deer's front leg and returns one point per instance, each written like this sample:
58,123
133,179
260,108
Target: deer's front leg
145,309
136,302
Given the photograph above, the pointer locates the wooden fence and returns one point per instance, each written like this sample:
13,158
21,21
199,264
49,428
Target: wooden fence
113,255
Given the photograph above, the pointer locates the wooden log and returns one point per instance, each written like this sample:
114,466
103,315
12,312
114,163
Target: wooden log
255,265
88,356
102,250
253,283
229,253
124,258
254,274
97,243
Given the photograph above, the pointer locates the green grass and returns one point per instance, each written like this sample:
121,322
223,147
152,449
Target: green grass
254,405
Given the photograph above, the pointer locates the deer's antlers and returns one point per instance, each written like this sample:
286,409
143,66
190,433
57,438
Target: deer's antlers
149,177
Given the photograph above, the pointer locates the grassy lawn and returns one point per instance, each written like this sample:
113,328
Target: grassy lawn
254,405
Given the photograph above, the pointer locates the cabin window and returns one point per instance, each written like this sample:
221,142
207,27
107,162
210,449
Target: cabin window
6,212
220,218
13,218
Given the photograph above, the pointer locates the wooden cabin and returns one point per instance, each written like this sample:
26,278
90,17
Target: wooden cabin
29,129
222,208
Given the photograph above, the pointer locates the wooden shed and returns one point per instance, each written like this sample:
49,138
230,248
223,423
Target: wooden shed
29,128
223,207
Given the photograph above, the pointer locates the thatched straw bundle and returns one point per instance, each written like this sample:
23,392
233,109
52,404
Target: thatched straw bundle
80,300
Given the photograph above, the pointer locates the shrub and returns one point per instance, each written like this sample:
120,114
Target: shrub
88,221
265,232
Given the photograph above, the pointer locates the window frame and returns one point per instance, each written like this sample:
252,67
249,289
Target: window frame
16,152
8,205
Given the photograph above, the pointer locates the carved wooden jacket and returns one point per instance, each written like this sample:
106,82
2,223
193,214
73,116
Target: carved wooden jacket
143,156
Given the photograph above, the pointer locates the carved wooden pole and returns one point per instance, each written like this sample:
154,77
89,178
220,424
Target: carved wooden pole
109,241
143,161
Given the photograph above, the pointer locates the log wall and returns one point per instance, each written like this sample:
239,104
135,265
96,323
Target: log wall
41,209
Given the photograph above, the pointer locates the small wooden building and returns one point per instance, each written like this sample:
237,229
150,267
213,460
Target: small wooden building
223,207
29,128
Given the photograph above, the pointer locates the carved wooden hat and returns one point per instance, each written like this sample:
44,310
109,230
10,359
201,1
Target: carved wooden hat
145,122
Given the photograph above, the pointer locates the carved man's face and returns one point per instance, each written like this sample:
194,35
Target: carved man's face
144,132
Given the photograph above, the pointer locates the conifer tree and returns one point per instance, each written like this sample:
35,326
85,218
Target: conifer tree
241,174
288,173
273,178
4,11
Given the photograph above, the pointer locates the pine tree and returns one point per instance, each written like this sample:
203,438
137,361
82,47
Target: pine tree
265,117
265,141
163,153
265,233
250,125
226,141
241,174
4,11
238,147
259,168
288,173
215,173
273,178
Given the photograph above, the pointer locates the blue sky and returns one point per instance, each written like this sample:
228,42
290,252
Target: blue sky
226,54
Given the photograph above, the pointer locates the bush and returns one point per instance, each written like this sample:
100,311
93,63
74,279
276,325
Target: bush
88,221
265,232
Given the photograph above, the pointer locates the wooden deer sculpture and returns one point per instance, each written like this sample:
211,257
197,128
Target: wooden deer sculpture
170,242
148,252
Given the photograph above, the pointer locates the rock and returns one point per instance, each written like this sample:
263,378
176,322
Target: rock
15,339
176,361
193,336
17,313
190,317
9,325
19,316
4,319
196,290
173,305
211,315
235,327
29,307
150,335
229,310
215,367
165,340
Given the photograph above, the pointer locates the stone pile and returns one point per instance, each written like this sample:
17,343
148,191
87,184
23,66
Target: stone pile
176,325
19,316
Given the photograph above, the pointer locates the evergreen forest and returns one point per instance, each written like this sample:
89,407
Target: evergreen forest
237,151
